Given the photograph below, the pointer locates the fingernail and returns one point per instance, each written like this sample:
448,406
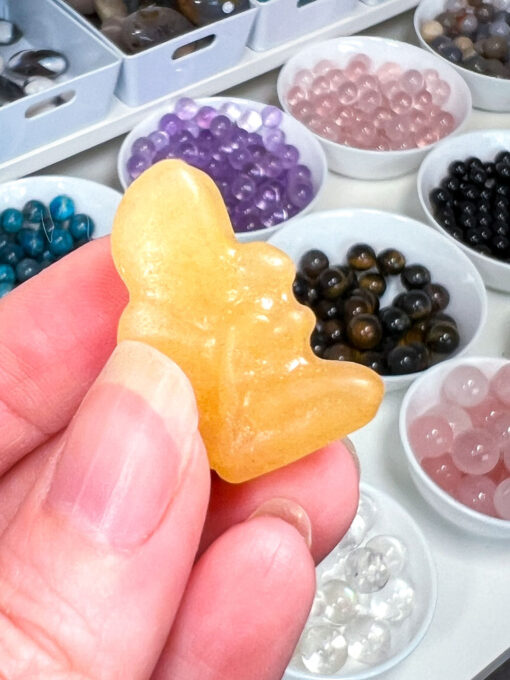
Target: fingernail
291,512
352,450
127,448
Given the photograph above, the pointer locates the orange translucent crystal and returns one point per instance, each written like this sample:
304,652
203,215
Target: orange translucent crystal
225,313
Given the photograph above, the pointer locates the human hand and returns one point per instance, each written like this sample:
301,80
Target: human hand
104,506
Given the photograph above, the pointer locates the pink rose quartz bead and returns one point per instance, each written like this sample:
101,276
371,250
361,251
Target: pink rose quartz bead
412,81
303,111
320,85
369,100
477,492
323,66
423,100
389,71
499,425
326,105
431,76
466,386
443,472
366,82
444,122
390,88
500,384
475,452
304,78
486,412
295,95
430,437
347,93
440,92
502,499
417,120
457,418
336,77
358,64
401,102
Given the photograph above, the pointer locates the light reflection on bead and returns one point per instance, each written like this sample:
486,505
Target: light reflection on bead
392,549
395,602
322,649
369,640
340,601
366,570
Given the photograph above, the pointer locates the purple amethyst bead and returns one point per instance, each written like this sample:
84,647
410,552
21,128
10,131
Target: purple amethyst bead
186,108
244,223
300,194
143,147
171,124
204,117
239,158
250,120
272,166
159,138
222,128
289,155
299,173
243,188
136,165
273,139
232,110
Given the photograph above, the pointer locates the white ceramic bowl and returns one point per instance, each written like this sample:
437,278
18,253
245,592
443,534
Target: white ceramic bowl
422,395
485,144
391,519
96,200
335,231
361,163
487,92
311,153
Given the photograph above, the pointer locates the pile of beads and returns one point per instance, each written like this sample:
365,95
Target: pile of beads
243,150
472,203
38,235
384,108
364,594
463,441
473,34
407,335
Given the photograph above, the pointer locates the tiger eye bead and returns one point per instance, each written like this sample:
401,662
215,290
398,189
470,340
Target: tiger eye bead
370,297
332,331
415,303
442,338
364,331
327,309
354,306
340,352
361,257
415,276
390,262
313,263
374,360
439,296
374,282
332,283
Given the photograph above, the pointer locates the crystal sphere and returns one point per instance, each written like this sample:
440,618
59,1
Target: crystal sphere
430,436
500,384
271,116
323,66
354,536
486,412
466,386
366,570
443,471
393,550
475,452
186,108
440,91
367,511
369,640
204,117
347,93
412,81
395,602
295,95
303,78
322,649
389,71
340,601
477,492
502,499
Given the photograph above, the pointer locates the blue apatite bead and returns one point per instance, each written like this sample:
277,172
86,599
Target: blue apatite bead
61,242
4,239
82,227
34,212
26,269
12,220
32,242
11,254
64,224
5,288
62,208
7,274
46,259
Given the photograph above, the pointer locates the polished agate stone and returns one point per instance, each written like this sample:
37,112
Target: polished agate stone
225,313
46,63
151,26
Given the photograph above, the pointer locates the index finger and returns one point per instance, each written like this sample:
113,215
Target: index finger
56,332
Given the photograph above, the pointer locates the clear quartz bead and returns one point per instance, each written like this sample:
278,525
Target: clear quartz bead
322,649
250,120
366,571
392,549
340,601
369,640
367,510
354,537
395,602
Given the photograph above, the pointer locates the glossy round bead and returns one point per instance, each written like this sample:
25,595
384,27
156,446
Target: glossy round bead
415,276
361,257
395,322
403,359
7,274
62,207
366,571
500,384
475,452
11,220
340,601
322,649
369,640
443,471
457,418
143,147
487,413
364,331
32,241
27,268
61,242
466,386
374,282
332,283
430,436
313,262
502,499
82,226
390,262
395,602
34,212
415,303
477,492
393,551
11,254
5,288
442,338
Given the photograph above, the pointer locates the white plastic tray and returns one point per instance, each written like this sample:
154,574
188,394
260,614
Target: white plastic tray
122,118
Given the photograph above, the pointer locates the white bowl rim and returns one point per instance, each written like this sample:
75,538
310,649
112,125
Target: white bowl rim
53,179
391,153
476,76
411,458
425,624
168,108
429,160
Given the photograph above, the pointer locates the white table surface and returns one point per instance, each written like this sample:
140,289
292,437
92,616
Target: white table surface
471,625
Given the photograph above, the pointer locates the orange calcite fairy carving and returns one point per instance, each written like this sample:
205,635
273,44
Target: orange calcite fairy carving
225,313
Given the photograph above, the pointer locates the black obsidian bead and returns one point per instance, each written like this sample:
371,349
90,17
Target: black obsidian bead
361,257
500,246
468,208
423,354
503,171
304,291
313,263
364,331
439,197
503,157
394,321
390,262
332,283
403,359
457,169
500,228
467,221
450,183
317,342
456,232
439,296
415,276
415,303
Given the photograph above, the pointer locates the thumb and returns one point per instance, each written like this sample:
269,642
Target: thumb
93,566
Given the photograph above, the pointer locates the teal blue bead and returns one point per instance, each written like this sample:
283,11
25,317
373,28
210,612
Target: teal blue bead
62,208
11,254
35,212
82,227
4,239
32,241
61,242
5,288
12,220
26,269
7,274
47,258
